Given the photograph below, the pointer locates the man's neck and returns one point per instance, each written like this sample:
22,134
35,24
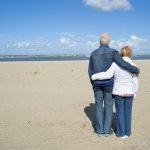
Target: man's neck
104,45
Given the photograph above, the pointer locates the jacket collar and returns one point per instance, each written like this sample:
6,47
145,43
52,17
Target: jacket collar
103,45
127,58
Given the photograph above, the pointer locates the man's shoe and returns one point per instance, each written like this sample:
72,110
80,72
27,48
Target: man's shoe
108,134
99,134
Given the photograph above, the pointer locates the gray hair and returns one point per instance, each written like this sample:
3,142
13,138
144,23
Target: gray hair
105,39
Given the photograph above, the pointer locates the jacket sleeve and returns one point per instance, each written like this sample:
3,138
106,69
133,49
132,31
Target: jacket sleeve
119,60
105,75
90,67
135,83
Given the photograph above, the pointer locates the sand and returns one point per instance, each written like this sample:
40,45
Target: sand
50,106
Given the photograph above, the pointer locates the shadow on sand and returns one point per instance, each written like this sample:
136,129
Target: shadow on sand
90,112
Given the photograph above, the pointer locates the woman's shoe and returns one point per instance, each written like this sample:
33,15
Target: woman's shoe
124,137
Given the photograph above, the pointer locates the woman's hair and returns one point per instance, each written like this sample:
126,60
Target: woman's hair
126,51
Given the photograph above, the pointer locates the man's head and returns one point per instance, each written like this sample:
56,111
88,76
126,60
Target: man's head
105,39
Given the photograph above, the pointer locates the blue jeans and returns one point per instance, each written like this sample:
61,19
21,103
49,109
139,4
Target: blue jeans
123,115
103,97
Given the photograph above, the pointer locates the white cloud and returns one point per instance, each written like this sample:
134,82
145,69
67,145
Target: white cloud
18,45
75,43
67,42
109,5
92,44
138,44
40,44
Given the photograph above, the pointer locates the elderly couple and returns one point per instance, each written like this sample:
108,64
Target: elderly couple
113,76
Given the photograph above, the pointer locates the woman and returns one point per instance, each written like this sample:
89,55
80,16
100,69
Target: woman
124,90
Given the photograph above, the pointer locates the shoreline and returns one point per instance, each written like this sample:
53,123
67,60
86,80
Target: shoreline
60,60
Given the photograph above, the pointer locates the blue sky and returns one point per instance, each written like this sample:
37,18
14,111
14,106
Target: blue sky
72,26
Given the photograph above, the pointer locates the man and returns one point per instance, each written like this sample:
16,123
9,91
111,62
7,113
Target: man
100,61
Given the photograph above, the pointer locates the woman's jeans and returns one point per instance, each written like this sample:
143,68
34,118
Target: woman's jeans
123,115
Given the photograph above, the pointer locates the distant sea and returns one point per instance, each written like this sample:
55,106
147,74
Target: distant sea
42,57
4,58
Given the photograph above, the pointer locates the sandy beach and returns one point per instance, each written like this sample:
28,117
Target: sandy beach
50,106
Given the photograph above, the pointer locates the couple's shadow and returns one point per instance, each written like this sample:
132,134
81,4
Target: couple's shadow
90,112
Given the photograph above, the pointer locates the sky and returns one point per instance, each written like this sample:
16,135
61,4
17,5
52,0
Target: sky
72,26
